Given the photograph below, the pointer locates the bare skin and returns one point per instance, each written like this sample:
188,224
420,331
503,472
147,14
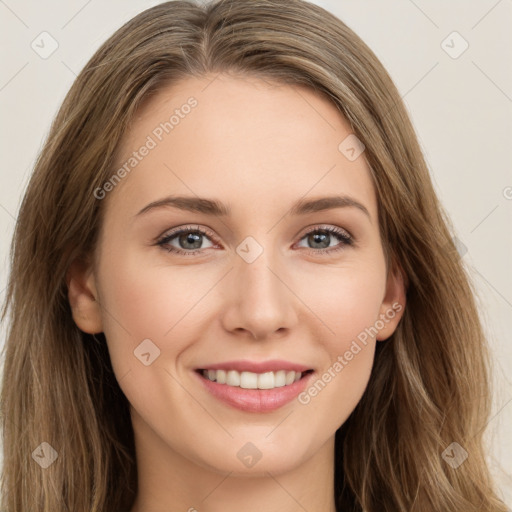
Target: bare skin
258,148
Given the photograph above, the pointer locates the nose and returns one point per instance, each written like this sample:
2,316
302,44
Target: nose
259,298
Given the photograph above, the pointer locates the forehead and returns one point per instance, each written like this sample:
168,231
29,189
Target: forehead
242,137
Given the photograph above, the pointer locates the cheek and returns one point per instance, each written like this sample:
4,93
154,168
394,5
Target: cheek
334,393
142,302
149,321
345,300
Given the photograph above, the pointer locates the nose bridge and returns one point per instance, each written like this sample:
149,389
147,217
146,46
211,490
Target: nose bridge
256,271
260,300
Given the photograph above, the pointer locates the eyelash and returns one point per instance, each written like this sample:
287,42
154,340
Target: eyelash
346,240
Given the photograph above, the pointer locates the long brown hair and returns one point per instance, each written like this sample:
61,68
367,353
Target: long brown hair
430,382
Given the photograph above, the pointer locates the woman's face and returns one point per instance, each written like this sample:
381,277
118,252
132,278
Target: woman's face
279,278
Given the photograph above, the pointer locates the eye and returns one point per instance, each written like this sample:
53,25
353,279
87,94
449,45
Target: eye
190,240
190,237
321,238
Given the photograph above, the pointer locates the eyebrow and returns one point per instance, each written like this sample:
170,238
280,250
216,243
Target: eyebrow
218,209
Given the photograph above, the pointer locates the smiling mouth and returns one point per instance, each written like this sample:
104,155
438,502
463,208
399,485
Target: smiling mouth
251,380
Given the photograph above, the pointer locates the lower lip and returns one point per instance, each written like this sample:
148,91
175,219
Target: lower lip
255,400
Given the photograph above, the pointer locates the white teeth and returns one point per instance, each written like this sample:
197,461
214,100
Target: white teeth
290,378
280,379
250,380
221,376
232,378
266,380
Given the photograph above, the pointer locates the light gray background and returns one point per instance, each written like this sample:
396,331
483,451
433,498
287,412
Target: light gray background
461,109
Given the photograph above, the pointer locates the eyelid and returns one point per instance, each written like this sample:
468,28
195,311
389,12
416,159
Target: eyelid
347,239
324,227
187,228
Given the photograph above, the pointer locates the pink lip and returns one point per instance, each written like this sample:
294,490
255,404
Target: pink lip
255,400
273,365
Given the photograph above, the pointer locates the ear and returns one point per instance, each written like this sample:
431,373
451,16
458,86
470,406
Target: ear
83,297
393,304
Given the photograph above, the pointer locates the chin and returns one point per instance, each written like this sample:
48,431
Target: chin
250,458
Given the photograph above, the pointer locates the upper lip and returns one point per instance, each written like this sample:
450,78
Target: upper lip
273,365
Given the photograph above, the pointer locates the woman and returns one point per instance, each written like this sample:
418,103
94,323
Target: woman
270,368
